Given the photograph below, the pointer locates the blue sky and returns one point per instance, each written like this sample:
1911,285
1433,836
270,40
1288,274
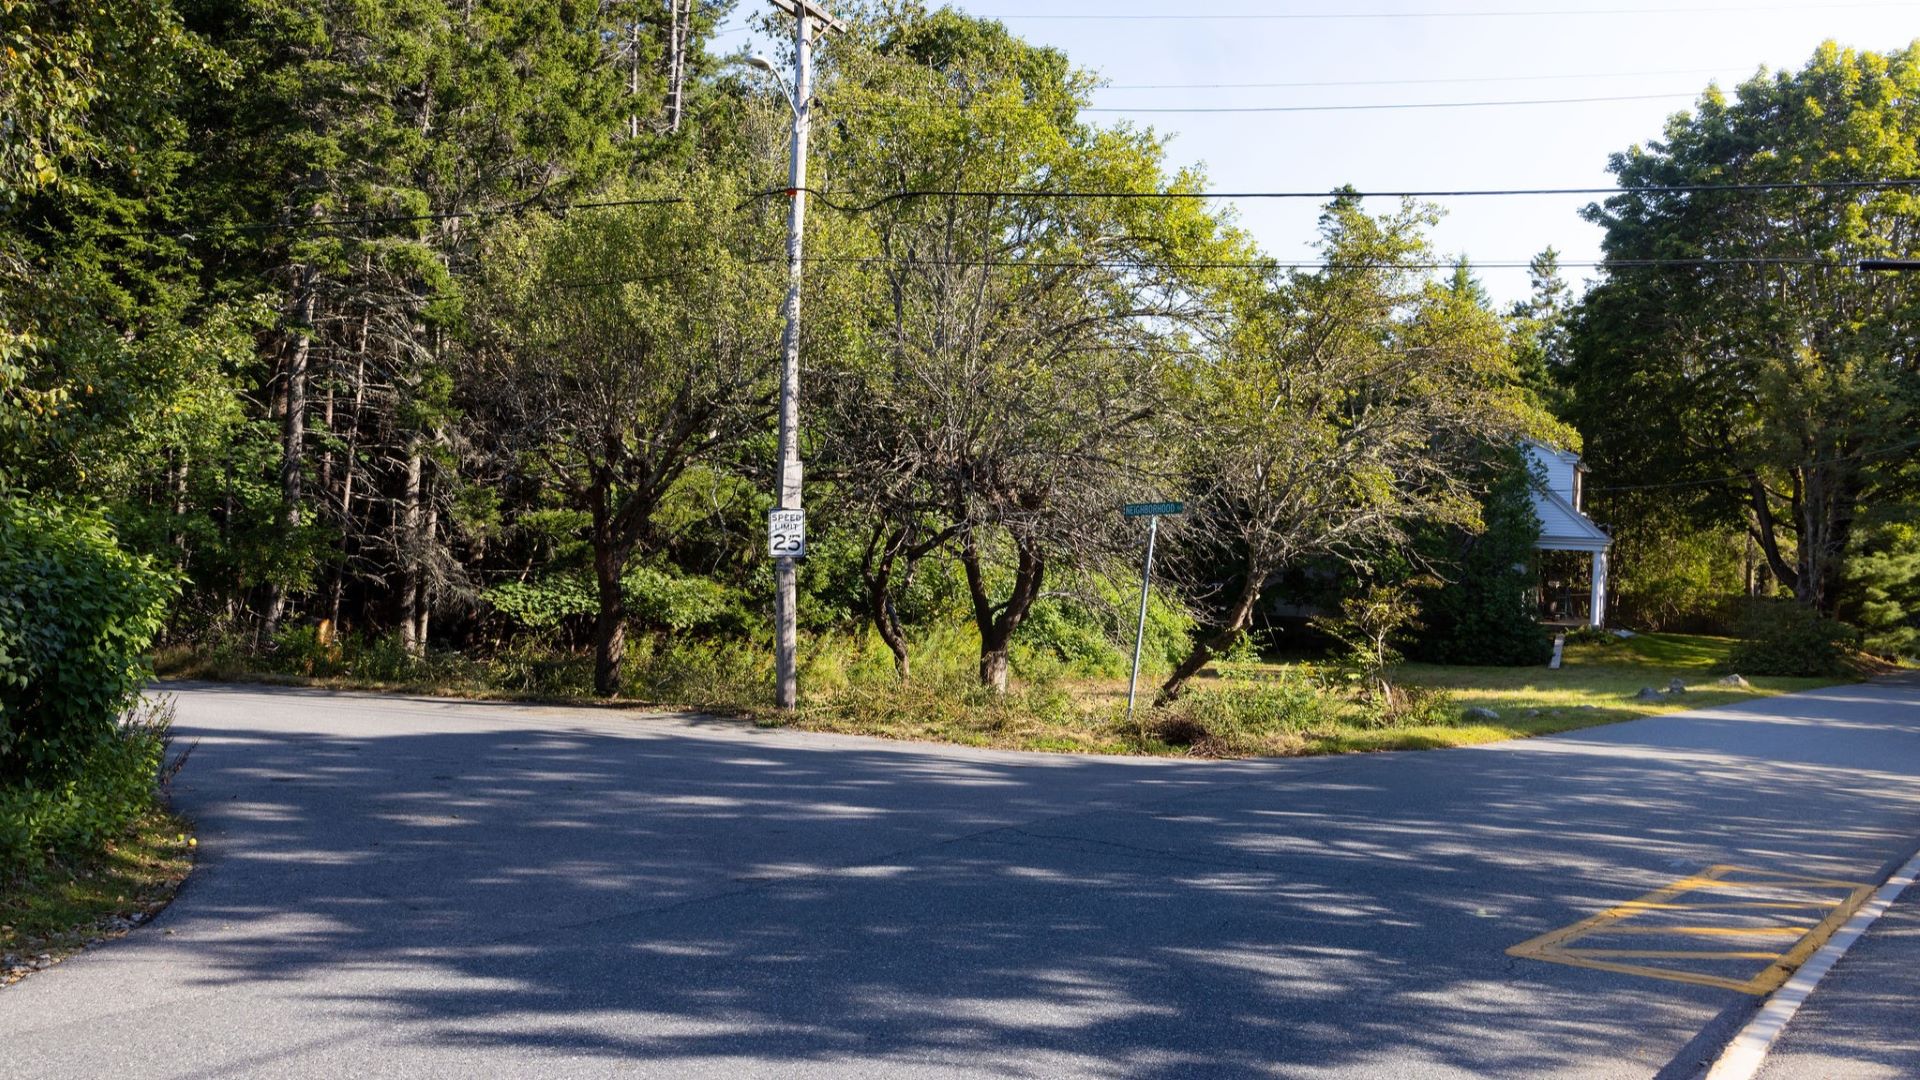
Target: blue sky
1622,48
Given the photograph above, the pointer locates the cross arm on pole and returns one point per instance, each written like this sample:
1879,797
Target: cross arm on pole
813,11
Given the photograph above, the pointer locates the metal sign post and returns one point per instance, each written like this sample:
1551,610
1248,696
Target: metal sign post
1152,512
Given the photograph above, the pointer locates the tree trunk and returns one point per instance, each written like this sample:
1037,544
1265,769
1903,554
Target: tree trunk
633,79
878,578
423,598
997,622
1826,528
179,486
409,539
1218,641
349,461
677,61
1767,534
610,625
293,456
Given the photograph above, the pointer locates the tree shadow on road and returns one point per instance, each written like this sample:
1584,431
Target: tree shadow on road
652,895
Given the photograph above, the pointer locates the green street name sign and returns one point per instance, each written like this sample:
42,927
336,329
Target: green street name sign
1158,509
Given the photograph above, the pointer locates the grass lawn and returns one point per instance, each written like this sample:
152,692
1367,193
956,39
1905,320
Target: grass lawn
54,909
1595,685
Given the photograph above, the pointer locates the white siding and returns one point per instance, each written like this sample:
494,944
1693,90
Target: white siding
1562,526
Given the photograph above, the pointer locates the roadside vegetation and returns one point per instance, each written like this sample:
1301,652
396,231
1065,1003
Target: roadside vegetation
86,841
1239,706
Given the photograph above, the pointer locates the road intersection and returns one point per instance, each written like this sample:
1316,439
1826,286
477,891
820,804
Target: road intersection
416,887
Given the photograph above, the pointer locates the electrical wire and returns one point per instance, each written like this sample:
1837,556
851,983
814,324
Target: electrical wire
1329,16
863,203
1734,478
1394,107
1449,80
1816,262
830,199
896,106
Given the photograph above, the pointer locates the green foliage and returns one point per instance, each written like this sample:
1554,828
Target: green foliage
1884,583
77,617
1250,716
1804,383
113,785
1671,574
1090,633
656,598
1372,626
725,673
1780,637
1484,613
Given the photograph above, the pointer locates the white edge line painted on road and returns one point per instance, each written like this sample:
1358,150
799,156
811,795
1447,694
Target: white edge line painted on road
1742,1058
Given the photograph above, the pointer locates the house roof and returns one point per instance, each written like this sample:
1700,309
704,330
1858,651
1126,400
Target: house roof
1562,528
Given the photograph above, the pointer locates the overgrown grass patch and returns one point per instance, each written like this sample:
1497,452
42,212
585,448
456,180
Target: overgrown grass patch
1252,709
1239,708
55,905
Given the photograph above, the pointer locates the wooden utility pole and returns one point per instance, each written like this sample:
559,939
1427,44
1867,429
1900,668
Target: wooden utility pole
806,14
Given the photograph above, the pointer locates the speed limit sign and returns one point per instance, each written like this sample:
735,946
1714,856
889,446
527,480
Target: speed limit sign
787,534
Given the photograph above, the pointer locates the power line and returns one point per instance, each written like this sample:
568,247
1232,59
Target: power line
1394,106
1264,264
1448,80
867,201
828,197
1329,16
896,106
1733,478
1820,262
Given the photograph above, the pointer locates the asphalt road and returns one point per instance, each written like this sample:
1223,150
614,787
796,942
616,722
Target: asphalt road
418,888
1864,1021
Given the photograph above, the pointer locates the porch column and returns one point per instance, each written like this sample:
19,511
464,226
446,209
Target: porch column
1599,605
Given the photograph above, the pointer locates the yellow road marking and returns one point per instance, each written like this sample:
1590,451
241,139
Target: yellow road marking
1710,931
1746,904
1673,954
1554,946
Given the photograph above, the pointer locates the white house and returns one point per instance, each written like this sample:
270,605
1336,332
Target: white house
1557,501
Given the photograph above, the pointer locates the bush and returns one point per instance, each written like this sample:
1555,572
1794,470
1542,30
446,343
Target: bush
115,785
1089,633
1783,637
77,617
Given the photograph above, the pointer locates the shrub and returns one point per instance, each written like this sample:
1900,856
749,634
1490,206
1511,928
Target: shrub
1089,633
1371,626
116,783
77,617
1592,635
1783,637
